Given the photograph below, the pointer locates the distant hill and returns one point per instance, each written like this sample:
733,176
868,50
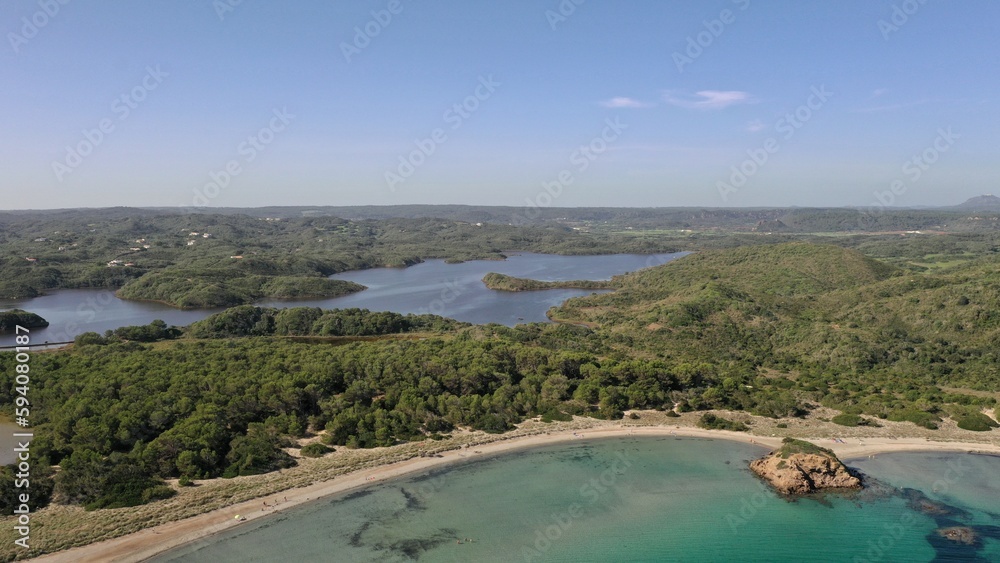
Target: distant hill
784,221
988,202
785,269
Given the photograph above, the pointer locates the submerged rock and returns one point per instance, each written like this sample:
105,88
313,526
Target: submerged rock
960,534
800,468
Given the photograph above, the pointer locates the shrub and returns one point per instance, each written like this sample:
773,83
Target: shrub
89,338
918,417
850,419
712,422
790,446
846,419
556,414
977,422
315,449
157,493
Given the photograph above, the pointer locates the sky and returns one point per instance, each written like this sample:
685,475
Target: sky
248,103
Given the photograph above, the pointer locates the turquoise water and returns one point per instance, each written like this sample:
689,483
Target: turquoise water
631,499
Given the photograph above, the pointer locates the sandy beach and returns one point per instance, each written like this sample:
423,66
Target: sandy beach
149,542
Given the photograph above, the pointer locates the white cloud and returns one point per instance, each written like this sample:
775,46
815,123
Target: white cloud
709,99
879,92
623,102
755,126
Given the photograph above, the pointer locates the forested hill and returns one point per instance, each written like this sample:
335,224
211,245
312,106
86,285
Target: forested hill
874,218
791,306
787,269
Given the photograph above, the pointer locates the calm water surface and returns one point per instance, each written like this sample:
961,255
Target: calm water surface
451,290
632,499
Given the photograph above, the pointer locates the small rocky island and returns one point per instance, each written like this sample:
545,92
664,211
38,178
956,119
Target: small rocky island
503,282
10,320
800,468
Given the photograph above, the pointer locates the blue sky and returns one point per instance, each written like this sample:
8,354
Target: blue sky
302,109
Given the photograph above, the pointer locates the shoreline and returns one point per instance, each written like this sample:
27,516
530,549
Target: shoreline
150,542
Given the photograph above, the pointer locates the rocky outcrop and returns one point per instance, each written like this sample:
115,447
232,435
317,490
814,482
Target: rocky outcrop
800,468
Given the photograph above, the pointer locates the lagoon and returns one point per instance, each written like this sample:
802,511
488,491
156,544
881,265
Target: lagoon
450,290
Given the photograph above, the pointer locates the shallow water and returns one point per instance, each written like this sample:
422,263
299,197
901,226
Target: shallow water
624,499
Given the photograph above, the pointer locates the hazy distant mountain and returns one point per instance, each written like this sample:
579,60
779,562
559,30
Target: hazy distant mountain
988,201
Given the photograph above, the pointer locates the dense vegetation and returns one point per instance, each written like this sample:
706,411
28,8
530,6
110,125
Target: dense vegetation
713,422
503,282
770,329
209,288
209,408
248,320
10,320
825,323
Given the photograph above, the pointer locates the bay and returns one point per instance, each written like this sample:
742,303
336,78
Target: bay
621,499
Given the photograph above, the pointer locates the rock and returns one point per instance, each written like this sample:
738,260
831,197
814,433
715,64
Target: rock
800,468
959,534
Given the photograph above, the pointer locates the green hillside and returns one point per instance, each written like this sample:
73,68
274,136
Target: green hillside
809,308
